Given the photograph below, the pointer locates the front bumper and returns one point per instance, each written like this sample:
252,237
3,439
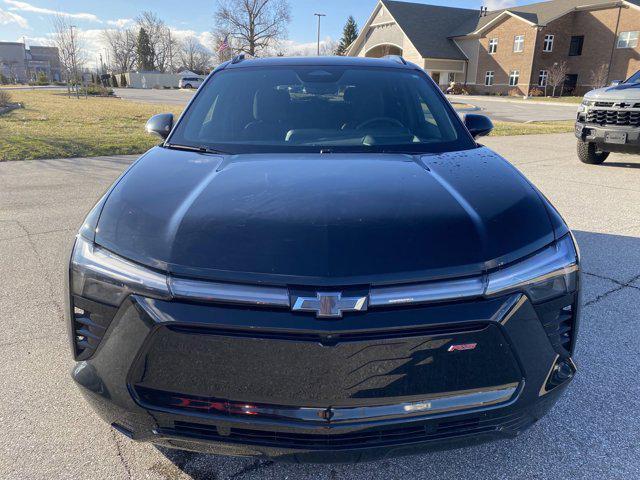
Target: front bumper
593,133
227,380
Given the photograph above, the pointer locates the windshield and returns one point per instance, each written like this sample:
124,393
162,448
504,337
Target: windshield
308,109
635,78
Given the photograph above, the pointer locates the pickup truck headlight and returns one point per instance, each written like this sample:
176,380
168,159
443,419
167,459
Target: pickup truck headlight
99,275
549,273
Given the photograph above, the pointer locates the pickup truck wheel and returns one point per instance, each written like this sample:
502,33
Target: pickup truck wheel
588,153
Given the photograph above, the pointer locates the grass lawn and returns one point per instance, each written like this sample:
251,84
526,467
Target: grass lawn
54,126
513,128
557,99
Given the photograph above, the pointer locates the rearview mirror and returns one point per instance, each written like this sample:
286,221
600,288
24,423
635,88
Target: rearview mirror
160,125
478,125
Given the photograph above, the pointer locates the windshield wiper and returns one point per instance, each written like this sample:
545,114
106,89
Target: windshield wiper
192,148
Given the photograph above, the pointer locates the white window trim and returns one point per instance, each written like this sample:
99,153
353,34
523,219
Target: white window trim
543,78
495,44
548,42
488,79
629,41
514,76
520,43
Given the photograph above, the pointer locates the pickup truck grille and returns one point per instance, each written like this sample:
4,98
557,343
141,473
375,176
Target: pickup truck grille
614,117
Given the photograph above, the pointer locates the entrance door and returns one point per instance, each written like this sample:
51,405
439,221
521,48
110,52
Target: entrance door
436,77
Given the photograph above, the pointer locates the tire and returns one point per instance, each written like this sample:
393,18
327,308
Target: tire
188,85
588,153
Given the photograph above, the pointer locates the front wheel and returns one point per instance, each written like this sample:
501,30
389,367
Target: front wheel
588,153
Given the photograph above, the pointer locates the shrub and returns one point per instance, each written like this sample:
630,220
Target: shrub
5,98
536,92
42,79
3,79
96,90
515,92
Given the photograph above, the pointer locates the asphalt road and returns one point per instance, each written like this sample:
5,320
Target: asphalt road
48,432
517,110
504,109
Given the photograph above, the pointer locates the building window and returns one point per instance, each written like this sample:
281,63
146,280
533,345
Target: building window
493,45
542,78
452,77
514,76
628,40
488,78
575,49
518,43
548,43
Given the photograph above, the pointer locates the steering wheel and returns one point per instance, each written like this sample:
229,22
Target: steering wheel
388,120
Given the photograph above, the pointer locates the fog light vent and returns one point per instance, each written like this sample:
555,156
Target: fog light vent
90,322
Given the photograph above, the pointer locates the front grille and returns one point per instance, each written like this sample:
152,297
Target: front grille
90,322
614,117
376,437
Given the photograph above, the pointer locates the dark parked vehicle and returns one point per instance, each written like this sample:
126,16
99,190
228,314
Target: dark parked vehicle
320,263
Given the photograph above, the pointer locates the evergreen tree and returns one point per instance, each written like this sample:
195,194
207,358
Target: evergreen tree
114,81
349,34
145,54
123,80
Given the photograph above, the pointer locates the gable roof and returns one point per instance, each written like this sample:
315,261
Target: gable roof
429,26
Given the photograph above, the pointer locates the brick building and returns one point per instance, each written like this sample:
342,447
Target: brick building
511,49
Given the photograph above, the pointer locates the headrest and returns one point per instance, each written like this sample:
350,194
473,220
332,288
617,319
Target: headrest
270,104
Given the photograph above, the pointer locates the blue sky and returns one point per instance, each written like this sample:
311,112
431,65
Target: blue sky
32,18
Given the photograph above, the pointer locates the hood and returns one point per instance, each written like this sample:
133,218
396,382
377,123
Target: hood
624,91
332,219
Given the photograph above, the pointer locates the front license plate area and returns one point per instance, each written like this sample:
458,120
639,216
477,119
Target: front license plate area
616,137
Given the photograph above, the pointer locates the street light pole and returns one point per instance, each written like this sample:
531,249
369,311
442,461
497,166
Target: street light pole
319,15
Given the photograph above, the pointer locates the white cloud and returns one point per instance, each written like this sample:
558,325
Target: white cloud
290,47
493,5
15,5
9,17
120,22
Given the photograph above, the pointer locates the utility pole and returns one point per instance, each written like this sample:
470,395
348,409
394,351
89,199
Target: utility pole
319,15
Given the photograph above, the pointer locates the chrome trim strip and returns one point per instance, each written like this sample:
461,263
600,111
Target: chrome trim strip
229,293
427,292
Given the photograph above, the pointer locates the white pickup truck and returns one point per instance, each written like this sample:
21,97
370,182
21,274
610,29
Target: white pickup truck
609,121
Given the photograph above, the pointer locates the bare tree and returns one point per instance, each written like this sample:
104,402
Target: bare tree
557,76
599,76
122,48
194,56
163,45
256,25
69,44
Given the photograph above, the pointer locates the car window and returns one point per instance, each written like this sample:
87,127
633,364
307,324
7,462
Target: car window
635,78
314,108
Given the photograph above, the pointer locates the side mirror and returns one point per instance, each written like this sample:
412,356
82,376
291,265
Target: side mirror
160,125
615,83
478,125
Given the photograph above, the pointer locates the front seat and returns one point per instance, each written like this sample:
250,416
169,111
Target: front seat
362,104
270,115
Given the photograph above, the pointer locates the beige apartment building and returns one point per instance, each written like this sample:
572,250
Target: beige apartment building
509,50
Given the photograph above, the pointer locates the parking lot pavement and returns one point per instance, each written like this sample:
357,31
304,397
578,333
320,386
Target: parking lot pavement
171,97
48,432
509,110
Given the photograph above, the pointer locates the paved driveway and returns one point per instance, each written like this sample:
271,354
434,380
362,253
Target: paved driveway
48,432
173,97
513,110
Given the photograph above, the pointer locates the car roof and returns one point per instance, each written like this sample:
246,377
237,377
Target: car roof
388,62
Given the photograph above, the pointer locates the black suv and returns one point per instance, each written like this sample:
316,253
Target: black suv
320,263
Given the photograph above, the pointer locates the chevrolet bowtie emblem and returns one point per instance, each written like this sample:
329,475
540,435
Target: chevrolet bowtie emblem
330,304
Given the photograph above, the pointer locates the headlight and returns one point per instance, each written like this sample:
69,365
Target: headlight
99,275
549,273
587,103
